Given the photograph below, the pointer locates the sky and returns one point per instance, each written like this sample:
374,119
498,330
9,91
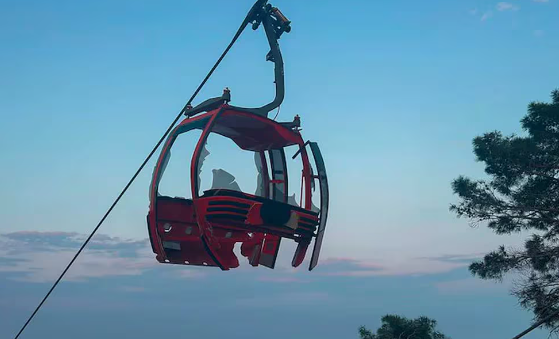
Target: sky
393,92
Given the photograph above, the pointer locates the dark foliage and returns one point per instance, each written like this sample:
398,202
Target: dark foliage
397,327
522,194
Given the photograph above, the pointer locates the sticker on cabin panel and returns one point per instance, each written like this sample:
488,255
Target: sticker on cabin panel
293,222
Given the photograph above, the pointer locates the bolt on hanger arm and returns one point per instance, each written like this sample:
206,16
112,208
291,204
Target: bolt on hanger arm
275,24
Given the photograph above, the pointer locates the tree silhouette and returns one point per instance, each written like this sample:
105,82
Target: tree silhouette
397,327
522,194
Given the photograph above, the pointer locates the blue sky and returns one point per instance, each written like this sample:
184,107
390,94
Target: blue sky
393,92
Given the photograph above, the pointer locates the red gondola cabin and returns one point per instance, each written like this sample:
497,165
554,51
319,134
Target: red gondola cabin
204,230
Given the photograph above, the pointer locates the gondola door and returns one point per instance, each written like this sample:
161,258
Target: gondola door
324,200
278,192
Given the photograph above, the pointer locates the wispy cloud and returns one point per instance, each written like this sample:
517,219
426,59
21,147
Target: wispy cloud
487,15
541,1
507,6
191,272
464,258
40,257
539,33
499,7
261,294
392,267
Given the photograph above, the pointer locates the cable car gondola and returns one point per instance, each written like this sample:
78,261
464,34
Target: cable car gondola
203,231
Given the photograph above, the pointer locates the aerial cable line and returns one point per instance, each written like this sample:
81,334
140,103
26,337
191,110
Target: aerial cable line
536,325
247,20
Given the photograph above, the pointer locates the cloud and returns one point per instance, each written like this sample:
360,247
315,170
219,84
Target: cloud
393,267
262,295
499,7
464,258
192,272
487,15
541,1
41,257
507,6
